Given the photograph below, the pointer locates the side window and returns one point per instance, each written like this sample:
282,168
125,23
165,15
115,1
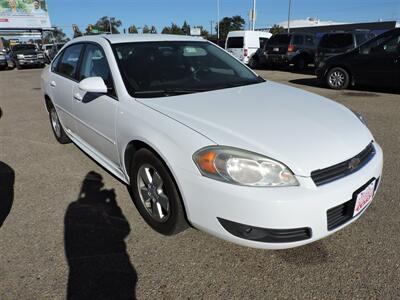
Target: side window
94,64
55,63
298,40
383,45
69,61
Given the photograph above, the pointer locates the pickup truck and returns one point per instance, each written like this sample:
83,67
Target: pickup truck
26,55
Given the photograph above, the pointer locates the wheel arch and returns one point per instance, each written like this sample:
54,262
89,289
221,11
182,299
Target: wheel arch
47,102
135,145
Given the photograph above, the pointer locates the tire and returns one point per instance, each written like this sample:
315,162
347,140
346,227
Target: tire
155,193
337,78
254,63
57,128
18,66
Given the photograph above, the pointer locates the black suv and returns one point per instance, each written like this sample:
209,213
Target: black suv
295,48
26,55
376,62
340,42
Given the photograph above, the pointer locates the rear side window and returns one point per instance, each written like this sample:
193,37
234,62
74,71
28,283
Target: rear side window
337,40
69,61
279,39
298,40
235,42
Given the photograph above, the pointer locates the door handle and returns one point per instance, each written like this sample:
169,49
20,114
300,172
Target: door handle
53,84
78,97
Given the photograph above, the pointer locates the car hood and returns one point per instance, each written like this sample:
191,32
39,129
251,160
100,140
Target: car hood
304,131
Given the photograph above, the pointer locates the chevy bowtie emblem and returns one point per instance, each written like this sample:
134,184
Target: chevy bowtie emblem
353,163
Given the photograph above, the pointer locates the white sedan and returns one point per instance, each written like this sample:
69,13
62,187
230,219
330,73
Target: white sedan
202,140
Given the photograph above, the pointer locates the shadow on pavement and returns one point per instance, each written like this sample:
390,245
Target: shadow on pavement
307,81
311,254
95,229
7,178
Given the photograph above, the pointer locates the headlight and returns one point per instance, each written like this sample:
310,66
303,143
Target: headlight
242,167
360,117
20,56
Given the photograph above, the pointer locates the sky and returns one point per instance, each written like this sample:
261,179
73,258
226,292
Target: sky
160,13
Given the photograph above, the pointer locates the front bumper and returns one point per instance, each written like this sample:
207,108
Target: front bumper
31,62
207,202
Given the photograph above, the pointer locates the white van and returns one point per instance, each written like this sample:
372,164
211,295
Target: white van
243,44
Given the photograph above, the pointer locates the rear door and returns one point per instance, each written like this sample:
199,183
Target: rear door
378,62
61,80
235,45
96,113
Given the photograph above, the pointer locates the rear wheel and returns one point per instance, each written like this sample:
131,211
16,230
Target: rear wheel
155,193
338,78
58,130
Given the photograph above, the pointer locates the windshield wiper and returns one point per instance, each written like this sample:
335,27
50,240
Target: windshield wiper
170,92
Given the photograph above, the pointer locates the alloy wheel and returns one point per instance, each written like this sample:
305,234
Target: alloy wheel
151,191
337,79
55,122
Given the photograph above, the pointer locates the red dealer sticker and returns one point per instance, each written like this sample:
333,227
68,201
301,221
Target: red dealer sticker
4,20
364,198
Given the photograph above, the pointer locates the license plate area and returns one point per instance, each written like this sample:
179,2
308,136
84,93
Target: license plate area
364,196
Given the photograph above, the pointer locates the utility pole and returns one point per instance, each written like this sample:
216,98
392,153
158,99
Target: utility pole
211,31
253,16
288,19
218,20
109,21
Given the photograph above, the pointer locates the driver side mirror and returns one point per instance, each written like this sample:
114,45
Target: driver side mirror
93,85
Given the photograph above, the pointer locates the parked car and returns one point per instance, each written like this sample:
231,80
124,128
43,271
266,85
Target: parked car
54,50
46,50
3,60
295,48
23,55
203,140
335,43
244,44
376,62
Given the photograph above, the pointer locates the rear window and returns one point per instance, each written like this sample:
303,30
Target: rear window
263,42
337,40
279,39
298,40
235,42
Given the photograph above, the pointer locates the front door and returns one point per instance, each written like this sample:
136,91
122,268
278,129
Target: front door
378,62
96,113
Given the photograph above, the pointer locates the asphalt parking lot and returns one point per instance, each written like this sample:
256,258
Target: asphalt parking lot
50,242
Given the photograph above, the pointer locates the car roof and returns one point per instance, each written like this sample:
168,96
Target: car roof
132,38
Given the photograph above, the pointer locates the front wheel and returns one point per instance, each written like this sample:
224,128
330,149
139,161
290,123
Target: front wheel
155,193
338,78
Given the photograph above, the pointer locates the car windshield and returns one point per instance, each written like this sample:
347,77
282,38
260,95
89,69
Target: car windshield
159,69
279,39
24,47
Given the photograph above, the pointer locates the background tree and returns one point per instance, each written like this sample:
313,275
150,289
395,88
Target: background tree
153,29
173,29
229,24
132,29
77,32
186,28
55,36
277,29
146,29
103,25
